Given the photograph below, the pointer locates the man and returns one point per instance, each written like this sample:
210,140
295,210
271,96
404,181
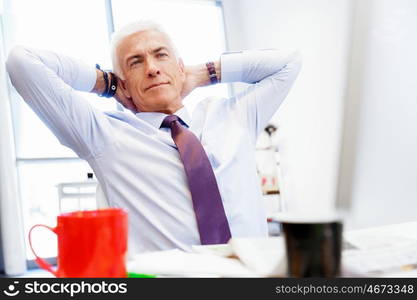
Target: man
154,162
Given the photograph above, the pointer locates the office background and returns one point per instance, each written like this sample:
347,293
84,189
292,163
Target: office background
358,69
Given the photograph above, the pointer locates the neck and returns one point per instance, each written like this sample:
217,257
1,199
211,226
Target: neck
171,110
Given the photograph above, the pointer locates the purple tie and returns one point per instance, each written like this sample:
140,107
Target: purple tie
208,206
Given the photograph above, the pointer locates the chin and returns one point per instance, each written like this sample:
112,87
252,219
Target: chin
155,105
160,100
163,102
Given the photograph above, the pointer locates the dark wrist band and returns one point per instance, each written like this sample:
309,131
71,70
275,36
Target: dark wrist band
110,87
212,72
106,80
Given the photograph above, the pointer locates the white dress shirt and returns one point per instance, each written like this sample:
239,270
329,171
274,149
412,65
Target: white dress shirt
137,163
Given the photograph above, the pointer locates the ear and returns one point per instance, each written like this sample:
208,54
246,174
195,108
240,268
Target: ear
182,68
181,65
124,89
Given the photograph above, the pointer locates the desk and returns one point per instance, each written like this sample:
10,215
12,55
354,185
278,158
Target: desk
394,244
266,257
363,239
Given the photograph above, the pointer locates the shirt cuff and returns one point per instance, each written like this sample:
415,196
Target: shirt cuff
231,66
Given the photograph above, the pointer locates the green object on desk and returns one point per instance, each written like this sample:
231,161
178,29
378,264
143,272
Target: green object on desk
139,275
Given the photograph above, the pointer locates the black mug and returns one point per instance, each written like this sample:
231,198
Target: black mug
313,248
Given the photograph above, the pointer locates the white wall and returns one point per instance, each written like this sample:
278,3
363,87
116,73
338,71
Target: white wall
309,122
380,157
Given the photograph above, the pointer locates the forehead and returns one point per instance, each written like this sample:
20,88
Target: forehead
141,42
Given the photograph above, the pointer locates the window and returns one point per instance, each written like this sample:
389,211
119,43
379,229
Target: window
30,25
82,29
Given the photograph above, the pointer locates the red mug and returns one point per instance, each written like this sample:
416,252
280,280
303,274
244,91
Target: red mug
91,243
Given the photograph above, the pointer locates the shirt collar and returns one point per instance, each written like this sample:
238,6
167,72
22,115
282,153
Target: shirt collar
156,118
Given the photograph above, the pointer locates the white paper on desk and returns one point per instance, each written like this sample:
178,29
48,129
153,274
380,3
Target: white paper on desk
224,250
183,264
367,241
264,256
389,250
383,261
395,235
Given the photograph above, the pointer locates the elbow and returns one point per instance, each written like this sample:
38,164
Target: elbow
15,62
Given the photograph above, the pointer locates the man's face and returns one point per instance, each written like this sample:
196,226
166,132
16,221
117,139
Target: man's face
153,76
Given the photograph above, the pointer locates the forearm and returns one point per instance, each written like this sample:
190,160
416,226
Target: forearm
246,66
201,75
47,82
271,73
30,67
100,85
255,65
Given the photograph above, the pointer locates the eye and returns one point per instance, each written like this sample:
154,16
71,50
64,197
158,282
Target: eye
134,63
162,54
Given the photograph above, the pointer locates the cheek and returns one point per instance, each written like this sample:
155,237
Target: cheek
134,85
179,79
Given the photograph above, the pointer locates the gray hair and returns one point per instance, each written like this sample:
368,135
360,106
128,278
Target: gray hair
131,28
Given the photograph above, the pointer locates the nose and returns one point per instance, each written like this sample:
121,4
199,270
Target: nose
152,68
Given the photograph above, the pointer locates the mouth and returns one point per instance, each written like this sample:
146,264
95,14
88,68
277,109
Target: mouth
155,85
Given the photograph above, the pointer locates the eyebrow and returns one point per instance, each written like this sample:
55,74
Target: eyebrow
159,49
138,56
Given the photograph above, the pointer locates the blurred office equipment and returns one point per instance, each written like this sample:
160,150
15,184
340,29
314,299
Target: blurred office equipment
267,159
80,195
267,162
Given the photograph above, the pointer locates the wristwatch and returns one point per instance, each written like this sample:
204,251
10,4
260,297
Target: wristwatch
212,72
110,83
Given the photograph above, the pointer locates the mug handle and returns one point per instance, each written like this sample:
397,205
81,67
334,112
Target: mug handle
40,261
